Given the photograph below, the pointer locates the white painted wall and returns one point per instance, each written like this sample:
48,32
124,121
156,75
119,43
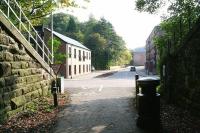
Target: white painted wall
75,61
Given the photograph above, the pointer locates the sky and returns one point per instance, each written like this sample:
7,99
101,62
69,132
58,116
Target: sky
133,26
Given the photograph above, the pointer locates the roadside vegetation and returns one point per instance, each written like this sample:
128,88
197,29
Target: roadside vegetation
37,116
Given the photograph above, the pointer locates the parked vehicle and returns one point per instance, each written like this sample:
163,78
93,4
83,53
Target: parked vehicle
132,68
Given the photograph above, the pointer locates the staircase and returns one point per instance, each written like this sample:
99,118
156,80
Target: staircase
15,20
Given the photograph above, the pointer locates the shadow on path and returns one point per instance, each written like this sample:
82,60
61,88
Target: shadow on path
99,116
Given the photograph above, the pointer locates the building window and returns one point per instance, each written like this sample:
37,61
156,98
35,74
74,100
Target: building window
83,55
74,69
74,53
70,52
86,55
79,69
79,52
89,56
83,68
70,70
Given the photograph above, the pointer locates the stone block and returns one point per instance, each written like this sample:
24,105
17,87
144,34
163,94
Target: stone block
39,71
17,57
36,86
27,58
11,41
1,90
38,65
6,98
28,72
43,84
24,65
21,57
17,93
4,39
14,112
18,102
36,78
6,89
8,56
20,80
40,92
45,91
27,89
29,79
23,72
3,48
14,49
33,71
35,94
1,102
46,76
15,72
17,86
2,83
1,55
32,65
28,97
10,80
5,69
16,65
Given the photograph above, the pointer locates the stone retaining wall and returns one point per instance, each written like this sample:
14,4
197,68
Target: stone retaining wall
22,78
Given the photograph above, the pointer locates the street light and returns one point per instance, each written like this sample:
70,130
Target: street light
52,32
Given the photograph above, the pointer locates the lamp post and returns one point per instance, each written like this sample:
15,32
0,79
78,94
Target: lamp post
52,32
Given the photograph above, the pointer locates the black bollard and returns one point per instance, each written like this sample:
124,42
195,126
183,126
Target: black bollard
54,92
136,90
148,104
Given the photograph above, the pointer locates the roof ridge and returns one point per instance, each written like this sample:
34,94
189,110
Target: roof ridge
68,39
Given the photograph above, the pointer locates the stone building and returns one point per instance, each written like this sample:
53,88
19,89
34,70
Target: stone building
78,61
151,51
139,57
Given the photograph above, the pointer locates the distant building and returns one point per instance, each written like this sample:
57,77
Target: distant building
139,56
78,61
151,51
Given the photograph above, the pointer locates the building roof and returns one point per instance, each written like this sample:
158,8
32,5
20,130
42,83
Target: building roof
69,40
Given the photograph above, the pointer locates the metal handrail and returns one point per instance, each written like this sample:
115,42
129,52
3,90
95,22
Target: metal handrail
26,25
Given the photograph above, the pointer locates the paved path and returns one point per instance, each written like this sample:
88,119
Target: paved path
100,105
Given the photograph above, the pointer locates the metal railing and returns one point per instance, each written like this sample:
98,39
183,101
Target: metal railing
13,11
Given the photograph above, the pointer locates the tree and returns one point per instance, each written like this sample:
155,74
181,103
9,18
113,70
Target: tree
175,7
73,29
36,10
148,5
96,43
115,45
72,25
59,57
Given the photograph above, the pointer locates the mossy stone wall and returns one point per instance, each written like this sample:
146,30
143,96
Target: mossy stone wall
22,78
